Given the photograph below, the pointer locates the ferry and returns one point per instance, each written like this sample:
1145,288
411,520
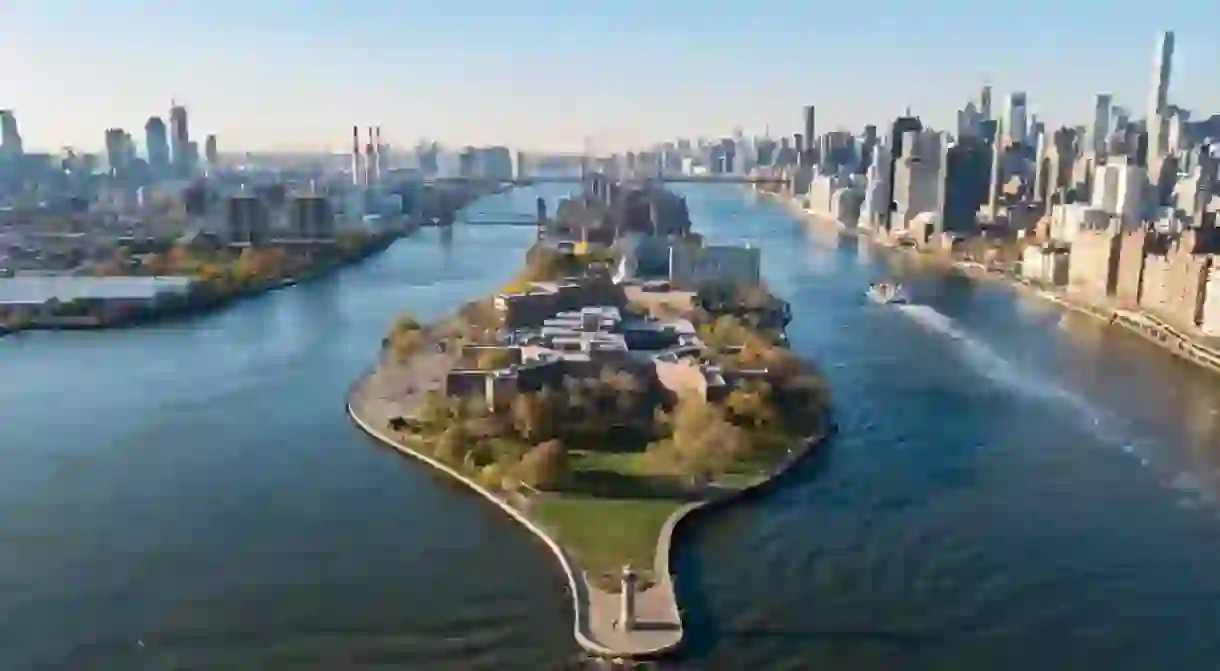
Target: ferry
887,293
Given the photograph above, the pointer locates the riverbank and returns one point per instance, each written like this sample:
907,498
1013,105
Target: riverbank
1192,348
203,295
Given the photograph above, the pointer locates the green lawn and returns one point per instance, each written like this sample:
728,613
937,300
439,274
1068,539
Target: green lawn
605,533
610,512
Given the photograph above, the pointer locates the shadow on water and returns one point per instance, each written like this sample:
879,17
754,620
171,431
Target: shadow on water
703,632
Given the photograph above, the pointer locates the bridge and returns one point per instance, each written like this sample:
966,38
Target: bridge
498,219
576,179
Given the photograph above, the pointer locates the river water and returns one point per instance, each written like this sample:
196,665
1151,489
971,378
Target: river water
1012,487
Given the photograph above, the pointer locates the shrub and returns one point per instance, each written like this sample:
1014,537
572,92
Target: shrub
544,466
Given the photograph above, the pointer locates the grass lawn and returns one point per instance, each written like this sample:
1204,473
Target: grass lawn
610,512
604,533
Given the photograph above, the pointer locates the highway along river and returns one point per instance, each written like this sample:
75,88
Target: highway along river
1013,488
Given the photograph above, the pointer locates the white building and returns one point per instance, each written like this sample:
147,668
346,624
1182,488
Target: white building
1067,221
1118,189
1045,264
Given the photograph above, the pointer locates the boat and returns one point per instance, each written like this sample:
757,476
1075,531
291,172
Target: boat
887,293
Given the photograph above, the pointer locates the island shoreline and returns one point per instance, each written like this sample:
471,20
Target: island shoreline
202,306
578,585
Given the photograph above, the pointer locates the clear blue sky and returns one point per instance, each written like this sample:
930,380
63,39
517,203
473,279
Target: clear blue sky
296,74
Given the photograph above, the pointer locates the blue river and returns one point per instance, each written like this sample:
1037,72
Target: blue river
1013,487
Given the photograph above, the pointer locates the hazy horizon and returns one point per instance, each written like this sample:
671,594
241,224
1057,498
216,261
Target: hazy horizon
626,74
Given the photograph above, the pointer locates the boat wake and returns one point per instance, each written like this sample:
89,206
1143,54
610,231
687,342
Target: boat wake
999,370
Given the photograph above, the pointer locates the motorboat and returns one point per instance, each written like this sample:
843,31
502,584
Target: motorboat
887,293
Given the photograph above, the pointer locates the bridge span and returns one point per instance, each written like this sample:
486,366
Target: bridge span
576,179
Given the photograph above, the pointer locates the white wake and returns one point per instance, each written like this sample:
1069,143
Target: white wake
991,365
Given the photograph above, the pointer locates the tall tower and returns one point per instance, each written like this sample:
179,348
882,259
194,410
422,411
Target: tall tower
156,142
1158,96
1101,122
10,138
996,179
370,161
210,151
357,164
985,103
379,159
180,141
806,152
1014,117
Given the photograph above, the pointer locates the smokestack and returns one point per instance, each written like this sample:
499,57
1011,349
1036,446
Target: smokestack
370,161
380,148
357,168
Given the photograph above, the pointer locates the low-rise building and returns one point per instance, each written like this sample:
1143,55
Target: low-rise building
1045,264
46,300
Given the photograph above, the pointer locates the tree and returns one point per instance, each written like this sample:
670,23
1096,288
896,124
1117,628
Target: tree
404,345
544,466
178,258
436,411
405,323
495,359
154,264
493,476
109,269
705,445
624,388
534,415
780,361
452,446
750,404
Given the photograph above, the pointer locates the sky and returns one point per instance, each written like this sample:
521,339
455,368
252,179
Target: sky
544,75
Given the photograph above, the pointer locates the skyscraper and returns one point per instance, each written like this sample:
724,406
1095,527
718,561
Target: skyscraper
1014,117
985,103
156,141
10,139
210,151
180,141
118,151
1100,133
1158,96
806,152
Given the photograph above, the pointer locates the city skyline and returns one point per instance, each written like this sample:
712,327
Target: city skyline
276,80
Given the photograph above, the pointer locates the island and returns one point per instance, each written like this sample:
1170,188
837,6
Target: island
599,401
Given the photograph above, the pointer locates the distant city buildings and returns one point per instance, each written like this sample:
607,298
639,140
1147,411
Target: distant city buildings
156,141
181,149
210,151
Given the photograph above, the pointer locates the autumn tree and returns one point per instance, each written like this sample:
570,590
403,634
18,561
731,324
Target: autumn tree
750,404
436,411
623,389
495,358
704,444
534,415
155,264
452,445
544,466
492,476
